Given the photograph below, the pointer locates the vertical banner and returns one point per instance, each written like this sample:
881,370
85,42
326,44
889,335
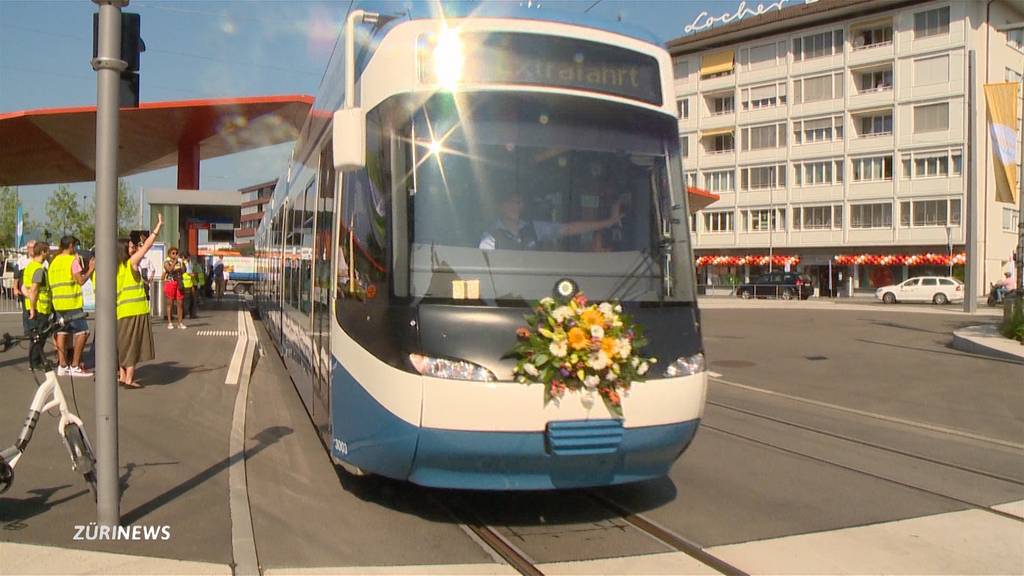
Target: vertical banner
19,229
1002,118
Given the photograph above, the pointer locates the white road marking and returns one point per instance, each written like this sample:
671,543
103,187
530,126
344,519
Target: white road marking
454,569
714,374
243,539
916,424
967,542
235,368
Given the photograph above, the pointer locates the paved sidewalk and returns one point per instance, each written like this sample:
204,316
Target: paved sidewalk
174,436
853,304
986,340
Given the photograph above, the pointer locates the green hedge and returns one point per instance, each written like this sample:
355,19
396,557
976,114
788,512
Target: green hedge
1013,327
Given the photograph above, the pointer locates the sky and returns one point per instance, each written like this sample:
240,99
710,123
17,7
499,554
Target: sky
216,49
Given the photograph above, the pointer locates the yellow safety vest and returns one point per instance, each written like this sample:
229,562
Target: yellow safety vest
131,295
202,277
65,291
186,280
43,298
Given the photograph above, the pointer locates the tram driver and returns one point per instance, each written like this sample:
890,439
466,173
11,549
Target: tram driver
511,232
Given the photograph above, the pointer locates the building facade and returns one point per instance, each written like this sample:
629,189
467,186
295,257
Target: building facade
836,134
254,198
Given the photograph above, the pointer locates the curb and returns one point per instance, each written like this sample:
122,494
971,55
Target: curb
985,340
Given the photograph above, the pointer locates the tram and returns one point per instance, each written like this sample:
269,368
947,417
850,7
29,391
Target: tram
391,284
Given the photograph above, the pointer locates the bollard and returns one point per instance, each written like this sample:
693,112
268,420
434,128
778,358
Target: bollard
157,296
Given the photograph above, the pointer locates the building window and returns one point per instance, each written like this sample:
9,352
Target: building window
871,215
931,23
877,35
819,88
767,96
933,70
875,124
761,137
763,56
931,118
691,179
763,219
681,70
930,213
873,168
719,143
817,217
721,221
1015,38
817,45
684,108
817,173
684,146
875,81
763,177
958,161
954,212
933,167
720,181
721,104
1011,219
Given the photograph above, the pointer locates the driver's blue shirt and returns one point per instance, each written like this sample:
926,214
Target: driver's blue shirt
526,237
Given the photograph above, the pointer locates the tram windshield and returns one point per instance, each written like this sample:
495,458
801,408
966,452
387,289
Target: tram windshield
512,192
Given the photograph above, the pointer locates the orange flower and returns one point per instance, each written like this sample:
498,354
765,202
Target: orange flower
592,317
608,345
578,339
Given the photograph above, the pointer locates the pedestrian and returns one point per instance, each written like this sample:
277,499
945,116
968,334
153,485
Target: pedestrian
218,276
67,273
173,290
200,281
134,333
18,287
188,286
138,238
36,290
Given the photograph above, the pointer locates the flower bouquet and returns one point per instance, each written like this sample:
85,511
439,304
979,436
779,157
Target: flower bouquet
574,345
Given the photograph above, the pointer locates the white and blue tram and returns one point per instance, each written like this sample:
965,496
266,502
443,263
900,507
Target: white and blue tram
396,319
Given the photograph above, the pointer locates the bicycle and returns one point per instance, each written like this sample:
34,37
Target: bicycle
48,396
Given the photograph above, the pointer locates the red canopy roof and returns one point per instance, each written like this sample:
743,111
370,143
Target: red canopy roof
700,198
56,145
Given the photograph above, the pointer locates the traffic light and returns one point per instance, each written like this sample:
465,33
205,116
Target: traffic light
132,47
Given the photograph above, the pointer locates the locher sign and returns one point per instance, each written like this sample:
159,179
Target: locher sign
703,21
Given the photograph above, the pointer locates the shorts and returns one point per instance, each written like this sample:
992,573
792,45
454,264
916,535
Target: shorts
172,291
74,325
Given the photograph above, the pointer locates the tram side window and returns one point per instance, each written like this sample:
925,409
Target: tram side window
363,239
324,228
306,232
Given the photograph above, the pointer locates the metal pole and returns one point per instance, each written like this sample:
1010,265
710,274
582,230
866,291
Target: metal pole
970,243
108,66
1020,212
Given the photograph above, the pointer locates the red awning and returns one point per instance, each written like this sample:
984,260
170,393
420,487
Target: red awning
700,198
55,145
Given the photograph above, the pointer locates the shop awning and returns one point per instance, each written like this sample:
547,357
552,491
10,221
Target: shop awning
717,63
716,132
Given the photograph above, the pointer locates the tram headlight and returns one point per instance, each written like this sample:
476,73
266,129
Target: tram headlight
450,369
686,366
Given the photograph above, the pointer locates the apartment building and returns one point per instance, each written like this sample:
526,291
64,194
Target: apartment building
254,198
836,134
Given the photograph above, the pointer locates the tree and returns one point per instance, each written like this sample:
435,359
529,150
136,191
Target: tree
63,213
127,215
9,218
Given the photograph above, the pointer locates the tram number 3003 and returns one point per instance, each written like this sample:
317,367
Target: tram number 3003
340,446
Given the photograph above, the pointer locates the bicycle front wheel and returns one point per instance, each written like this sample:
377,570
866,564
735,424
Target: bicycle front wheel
82,458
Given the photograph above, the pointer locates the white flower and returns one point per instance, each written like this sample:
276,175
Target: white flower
634,362
599,361
592,381
617,323
587,400
618,308
559,349
562,313
623,348
597,332
530,369
642,369
610,376
607,310
548,301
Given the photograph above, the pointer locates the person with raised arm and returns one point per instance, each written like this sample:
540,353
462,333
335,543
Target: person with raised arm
134,333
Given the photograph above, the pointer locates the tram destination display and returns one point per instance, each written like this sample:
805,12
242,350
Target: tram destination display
533,59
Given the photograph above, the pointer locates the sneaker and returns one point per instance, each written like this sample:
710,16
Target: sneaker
170,326
63,371
181,325
79,372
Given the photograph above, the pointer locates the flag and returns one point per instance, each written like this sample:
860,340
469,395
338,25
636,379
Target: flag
19,228
1004,125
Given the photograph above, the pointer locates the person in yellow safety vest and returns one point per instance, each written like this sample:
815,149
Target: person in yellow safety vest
134,333
188,284
37,293
199,275
67,274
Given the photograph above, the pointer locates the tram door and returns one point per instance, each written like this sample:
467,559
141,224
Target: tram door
322,278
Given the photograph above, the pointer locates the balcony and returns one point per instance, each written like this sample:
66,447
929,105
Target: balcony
871,42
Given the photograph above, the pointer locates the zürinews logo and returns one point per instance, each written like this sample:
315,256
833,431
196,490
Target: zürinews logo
92,531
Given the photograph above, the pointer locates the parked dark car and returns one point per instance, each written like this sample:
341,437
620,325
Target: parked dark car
785,285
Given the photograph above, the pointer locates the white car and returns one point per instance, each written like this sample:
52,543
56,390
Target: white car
934,289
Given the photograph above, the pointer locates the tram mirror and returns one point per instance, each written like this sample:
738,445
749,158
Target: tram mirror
349,134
